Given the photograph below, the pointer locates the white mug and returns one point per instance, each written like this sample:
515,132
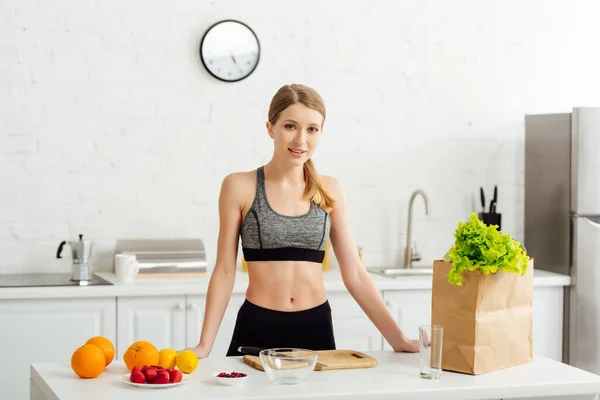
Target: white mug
126,267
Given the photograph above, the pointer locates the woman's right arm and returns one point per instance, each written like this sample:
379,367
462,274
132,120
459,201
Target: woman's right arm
223,275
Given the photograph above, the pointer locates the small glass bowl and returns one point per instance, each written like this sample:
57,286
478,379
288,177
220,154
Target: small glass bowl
288,366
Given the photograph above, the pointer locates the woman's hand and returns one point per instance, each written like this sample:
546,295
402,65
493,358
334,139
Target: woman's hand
407,346
200,351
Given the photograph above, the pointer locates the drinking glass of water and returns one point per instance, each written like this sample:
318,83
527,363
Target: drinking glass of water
430,347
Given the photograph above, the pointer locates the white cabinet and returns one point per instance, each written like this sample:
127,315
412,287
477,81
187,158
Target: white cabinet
160,320
47,330
410,309
352,329
548,322
194,319
171,321
196,306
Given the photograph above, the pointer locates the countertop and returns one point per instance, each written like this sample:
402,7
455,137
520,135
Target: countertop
194,286
396,376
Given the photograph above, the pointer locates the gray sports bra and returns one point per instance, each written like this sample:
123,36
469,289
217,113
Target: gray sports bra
270,236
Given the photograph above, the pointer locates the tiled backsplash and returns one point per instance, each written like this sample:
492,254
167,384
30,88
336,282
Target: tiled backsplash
110,127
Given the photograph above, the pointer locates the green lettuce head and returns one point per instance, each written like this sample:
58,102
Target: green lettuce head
483,247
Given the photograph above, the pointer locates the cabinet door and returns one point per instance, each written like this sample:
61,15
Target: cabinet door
47,330
195,318
548,322
410,309
352,328
159,320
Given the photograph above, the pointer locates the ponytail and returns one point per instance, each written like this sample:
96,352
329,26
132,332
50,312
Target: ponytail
315,189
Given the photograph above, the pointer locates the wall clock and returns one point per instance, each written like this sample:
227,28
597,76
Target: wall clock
230,50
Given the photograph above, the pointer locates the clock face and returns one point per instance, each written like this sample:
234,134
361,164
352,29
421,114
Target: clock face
230,51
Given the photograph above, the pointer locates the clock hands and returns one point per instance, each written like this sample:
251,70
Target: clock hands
233,58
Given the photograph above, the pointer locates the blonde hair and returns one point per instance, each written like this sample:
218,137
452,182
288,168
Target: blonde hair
286,96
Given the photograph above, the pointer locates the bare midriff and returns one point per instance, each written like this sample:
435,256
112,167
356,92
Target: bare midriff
286,285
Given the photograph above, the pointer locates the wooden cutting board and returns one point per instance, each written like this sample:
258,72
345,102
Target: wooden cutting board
334,359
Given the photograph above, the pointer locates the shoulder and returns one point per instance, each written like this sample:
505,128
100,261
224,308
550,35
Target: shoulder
240,178
335,190
333,186
239,185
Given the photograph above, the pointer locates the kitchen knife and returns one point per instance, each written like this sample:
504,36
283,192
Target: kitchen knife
254,351
482,196
494,201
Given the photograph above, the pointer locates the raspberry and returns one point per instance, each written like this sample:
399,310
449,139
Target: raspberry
232,375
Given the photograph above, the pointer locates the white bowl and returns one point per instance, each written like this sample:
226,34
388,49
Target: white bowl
230,381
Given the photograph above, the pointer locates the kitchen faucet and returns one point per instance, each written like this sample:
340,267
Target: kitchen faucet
409,257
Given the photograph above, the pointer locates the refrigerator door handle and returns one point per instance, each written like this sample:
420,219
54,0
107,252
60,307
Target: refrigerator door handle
592,216
595,221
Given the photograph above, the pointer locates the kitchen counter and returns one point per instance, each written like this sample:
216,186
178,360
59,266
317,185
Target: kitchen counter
157,287
396,376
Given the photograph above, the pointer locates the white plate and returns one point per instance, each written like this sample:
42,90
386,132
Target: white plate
230,381
125,378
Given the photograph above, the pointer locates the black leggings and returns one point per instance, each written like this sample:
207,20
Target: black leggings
257,326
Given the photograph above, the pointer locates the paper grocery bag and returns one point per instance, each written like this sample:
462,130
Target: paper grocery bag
488,322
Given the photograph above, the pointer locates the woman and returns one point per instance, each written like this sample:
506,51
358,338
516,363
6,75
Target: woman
285,212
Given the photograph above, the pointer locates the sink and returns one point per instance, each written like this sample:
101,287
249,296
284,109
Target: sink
396,272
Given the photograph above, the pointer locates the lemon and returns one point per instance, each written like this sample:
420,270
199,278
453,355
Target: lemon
187,361
167,358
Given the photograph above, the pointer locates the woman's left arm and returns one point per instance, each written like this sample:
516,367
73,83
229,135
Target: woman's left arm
356,278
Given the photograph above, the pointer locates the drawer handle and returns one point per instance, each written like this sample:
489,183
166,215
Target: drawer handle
192,306
179,306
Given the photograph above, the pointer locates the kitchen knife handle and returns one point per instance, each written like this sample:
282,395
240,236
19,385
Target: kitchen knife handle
250,350
494,201
482,196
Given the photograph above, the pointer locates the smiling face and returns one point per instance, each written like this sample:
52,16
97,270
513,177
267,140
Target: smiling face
296,133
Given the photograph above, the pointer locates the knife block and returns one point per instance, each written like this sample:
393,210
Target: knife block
491,219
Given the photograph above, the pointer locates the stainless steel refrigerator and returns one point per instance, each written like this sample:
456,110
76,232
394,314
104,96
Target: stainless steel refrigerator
562,219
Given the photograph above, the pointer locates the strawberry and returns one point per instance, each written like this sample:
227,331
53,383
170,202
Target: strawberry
161,378
137,377
151,374
144,368
175,375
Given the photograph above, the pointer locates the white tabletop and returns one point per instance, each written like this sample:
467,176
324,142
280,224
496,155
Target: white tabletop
397,376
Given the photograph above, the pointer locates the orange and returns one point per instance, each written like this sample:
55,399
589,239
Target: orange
105,345
88,361
187,361
139,354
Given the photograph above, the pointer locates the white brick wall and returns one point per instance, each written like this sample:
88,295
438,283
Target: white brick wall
110,127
